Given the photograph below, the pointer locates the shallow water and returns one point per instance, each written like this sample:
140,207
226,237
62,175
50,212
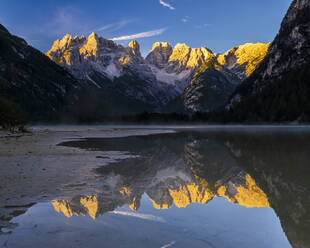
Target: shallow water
197,187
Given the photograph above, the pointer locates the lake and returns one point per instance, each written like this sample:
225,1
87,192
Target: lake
156,187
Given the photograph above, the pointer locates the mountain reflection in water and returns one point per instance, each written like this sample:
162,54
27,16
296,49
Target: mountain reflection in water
180,189
256,169
252,169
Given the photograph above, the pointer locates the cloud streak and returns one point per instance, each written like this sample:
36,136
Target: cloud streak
185,19
141,35
166,5
114,26
138,215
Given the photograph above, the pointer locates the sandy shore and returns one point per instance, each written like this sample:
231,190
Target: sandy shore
33,168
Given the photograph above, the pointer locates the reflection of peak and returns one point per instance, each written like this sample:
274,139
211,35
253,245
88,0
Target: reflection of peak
91,204
192,193
63,206
182,195
196,171
249,195
161,205
87,204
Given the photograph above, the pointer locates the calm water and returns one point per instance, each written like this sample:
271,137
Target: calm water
192,188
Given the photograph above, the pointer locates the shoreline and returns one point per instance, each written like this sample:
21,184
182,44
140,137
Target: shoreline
34,168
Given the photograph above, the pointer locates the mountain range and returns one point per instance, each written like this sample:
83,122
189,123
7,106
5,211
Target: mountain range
89,78
165,75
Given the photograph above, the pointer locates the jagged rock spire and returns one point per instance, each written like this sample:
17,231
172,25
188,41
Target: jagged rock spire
160,54
135,48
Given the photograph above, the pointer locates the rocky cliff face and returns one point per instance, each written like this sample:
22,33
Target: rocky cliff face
176,66
84,56
290,49
210,88
42,89
116,71
244,59
279,89
264,156
213,77
112,79
162,76
208,91
182,62
163,64
160,54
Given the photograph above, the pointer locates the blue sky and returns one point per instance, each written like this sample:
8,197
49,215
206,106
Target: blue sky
217,24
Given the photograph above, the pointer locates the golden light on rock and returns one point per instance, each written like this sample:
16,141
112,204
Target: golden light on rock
250,55
247,194
180,54
252,195
124,60
135,204
63,207
125,191
91,205
160,205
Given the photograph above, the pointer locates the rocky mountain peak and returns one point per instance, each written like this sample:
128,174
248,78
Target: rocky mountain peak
244,59
198,56
282,78
294,10
3,29
181,46
162,45
135,48
131,56
180,53
168,71
92,45
160,54
93,36
290,49
62,44
185,58
42,89
179,58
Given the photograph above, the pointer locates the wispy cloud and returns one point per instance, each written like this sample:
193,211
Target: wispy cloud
166,5
140,35
63,20
206,25
138,215
168,245
113,26
185,19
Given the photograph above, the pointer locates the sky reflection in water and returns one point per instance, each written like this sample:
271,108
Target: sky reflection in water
190,189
